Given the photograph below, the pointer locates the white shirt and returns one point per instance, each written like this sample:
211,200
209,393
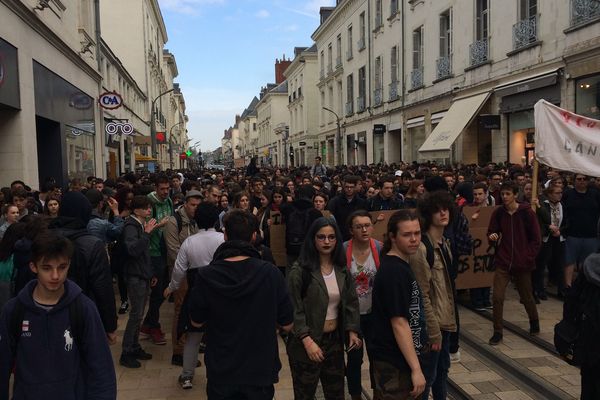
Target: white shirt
364,277
196,251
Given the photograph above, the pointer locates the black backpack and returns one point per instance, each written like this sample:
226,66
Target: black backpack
296,227
76,322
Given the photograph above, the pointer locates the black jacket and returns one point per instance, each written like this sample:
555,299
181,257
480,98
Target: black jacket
377,203
90,268
341,208
135,244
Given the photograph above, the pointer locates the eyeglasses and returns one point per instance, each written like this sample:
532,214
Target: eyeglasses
321,237
581,179
363,226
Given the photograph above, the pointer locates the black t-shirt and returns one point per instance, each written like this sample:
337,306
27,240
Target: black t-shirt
581,211
242,303
396,294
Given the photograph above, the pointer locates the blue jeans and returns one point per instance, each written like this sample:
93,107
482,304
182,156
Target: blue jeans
436,370
355,359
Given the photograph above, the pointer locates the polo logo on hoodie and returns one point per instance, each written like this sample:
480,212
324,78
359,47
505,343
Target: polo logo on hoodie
68,340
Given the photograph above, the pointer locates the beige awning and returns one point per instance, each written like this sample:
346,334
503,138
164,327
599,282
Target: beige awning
439,143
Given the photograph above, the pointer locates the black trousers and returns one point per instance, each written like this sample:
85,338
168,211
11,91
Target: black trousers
239,392
590,384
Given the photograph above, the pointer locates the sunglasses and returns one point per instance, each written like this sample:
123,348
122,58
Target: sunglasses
321,237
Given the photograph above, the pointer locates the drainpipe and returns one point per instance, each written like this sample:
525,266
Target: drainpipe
99,131
403,79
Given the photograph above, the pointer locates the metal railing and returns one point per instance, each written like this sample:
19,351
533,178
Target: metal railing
478,52
338,62
360,103
525,32
349,108
394,91
416,78
443,67
583,11
378,96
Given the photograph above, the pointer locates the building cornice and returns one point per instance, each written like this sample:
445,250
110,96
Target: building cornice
340,13
159,18
32,20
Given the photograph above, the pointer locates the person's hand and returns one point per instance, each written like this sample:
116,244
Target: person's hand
493,237
535,202
556,233
153,281
313,350
354,341
162,222
112,338
167,292
150,226
269,222
113,205
380,217
436,346
418,381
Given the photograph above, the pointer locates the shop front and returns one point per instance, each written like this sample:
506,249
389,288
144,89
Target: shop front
10,99
587,96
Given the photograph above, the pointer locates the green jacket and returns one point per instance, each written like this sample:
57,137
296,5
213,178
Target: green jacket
310,312
160,210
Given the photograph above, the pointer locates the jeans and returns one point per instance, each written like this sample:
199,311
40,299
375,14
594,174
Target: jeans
190,353
159,266
590,384
138,290
436,370
454,343
480,297
523,281
355,359
552,254
239,392
179,296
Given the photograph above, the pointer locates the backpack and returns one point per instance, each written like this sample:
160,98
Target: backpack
430,252
76,322
296,228
375,250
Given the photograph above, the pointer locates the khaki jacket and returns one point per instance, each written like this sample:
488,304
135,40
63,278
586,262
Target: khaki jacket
175,237
436,289
310,312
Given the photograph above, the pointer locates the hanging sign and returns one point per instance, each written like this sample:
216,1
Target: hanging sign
110,100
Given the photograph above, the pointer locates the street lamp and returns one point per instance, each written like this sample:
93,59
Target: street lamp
171,143
153,120
339,134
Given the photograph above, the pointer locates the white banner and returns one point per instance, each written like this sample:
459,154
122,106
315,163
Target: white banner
567,141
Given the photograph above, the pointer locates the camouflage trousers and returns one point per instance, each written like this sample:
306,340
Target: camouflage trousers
391,383
306,375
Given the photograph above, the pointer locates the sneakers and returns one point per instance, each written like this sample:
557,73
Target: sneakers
140,354
185,382
542,296
489,306
534,327
129,361
124,307
479,307
496,338
154,334
455,357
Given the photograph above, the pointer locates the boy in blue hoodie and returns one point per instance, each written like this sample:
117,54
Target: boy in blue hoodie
59,349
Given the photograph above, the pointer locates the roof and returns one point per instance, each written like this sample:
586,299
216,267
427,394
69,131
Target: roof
282,88
251,109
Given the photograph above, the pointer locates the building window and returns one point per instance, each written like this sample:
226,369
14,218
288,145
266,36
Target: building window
349,94
378,14
416,75
338,54
478,50
587,97
362,89
394,73
349,51
322,73
378,92
525,30
329,58
444,63
393,7
583,11
362,27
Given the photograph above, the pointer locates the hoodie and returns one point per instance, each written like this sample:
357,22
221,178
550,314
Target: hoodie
49,363
520,239
242,303
160,210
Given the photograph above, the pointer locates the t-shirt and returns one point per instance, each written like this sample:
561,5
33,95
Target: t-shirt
242,303
396,294
581,211
364,276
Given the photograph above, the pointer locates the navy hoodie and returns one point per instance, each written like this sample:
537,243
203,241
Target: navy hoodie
49,362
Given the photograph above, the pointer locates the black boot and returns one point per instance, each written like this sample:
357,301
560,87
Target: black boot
534,327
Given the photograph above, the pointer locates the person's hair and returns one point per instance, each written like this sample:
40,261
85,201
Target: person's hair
356,214
7,207
140,202
161,179
237,197
121,197
392,226
353,179
279,191
481,185
48,200
48,186
50,246
176,177
318,158
17,182
509,186
305,192
309,255
207,215
323,195
431,203
240,225
14,233
18,192
268,195
412,188
387,178
550,189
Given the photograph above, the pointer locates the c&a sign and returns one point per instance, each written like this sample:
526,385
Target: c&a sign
110,100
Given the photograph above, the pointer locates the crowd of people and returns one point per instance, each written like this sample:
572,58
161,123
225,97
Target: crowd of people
202,240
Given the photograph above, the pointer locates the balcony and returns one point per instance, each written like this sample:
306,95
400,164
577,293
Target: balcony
525,32
360,104
322,74
478,52
329,69
361,44
394,91
584,11
349,108
416,78
378,97
443,67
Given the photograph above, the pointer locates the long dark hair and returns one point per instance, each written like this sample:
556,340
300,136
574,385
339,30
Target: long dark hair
309,255
14,233
392,227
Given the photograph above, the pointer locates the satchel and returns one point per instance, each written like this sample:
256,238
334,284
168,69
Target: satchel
566,335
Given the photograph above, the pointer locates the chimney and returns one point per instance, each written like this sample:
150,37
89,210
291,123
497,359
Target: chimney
280,66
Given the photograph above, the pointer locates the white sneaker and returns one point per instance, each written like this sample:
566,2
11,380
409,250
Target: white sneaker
185,382
455,357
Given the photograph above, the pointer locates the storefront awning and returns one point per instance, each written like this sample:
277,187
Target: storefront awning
140,157
459,116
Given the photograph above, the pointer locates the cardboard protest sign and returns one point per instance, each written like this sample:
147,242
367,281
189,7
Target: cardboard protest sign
277,239
380,227
476,270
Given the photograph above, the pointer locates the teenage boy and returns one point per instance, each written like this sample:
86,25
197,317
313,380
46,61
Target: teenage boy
480,297
139,276
398,322
515,230
430,265
52,333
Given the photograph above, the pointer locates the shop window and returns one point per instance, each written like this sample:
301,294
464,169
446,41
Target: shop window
587,97
80,153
